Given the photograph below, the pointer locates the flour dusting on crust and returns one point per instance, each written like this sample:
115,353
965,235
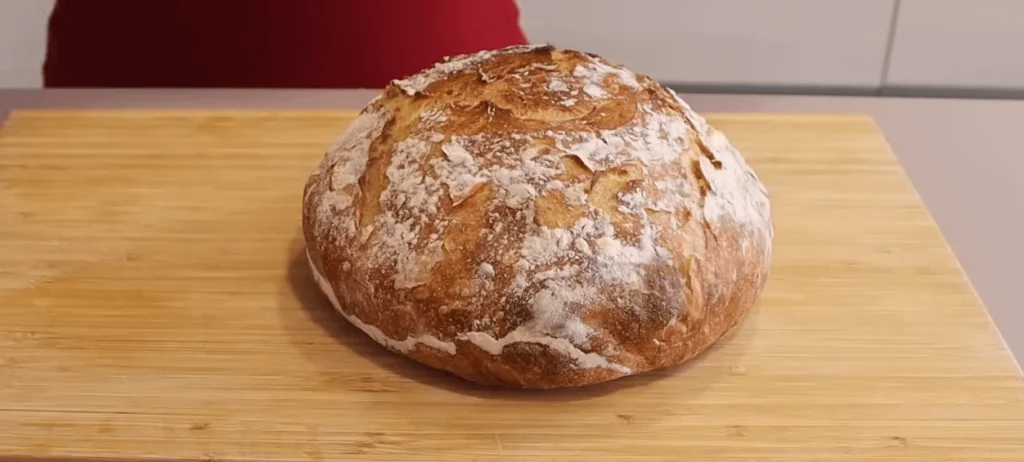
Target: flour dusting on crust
346,159
550,199
452,65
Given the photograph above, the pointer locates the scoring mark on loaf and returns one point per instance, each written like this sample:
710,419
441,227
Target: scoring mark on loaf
419,82
573,171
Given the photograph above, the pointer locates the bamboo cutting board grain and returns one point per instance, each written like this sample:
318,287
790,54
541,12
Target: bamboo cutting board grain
154,305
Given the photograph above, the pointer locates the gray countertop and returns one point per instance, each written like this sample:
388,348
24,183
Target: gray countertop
963,156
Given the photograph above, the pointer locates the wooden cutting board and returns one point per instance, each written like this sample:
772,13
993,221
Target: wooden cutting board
154,305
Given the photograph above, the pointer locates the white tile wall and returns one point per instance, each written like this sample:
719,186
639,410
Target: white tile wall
834,43
959,44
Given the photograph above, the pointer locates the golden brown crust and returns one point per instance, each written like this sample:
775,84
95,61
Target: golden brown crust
537,217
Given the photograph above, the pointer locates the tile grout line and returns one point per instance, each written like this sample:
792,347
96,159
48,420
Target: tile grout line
889,45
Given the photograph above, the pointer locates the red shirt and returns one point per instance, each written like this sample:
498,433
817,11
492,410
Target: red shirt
265,43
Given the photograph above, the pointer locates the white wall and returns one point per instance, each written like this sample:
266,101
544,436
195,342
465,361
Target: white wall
22,41
867,46
959,44
820,43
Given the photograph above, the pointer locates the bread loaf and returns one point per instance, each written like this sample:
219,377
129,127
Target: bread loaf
537,217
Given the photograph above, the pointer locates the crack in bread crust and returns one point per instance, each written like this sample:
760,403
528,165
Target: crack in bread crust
537,217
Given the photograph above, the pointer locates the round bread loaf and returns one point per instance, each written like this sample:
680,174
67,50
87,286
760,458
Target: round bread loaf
537,217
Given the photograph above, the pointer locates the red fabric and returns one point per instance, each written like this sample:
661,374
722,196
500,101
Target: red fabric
265,43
